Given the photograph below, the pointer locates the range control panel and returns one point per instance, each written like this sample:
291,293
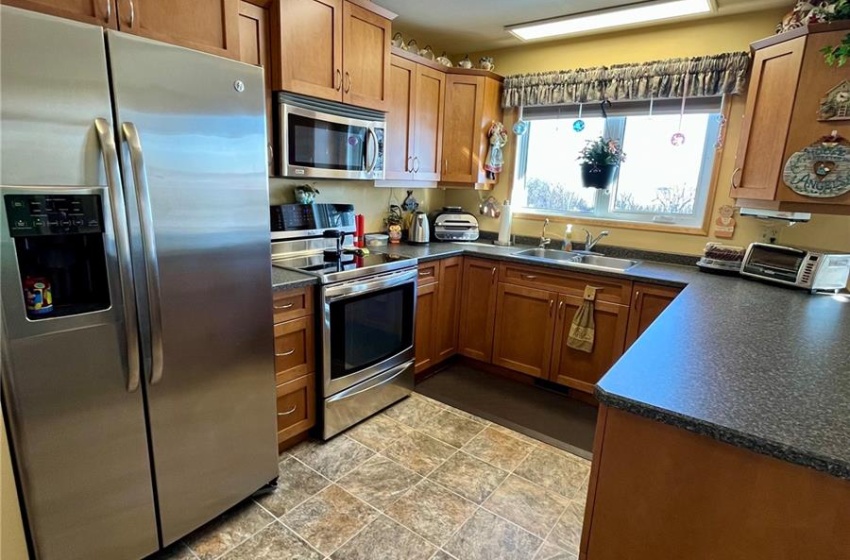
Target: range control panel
31,215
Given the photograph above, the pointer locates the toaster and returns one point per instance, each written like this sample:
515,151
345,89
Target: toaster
453,224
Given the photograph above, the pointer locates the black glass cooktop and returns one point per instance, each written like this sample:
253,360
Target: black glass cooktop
348,265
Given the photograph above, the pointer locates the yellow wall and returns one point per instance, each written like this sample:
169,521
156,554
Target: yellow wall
368,200
732,33
12,543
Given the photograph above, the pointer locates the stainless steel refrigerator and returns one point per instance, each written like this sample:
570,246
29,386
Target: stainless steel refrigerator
137,372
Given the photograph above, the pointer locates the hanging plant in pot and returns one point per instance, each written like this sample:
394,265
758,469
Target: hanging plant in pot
599,161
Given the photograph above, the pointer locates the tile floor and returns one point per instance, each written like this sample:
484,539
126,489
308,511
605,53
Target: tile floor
420,481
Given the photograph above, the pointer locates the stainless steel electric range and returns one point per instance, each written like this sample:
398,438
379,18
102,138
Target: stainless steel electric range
367,309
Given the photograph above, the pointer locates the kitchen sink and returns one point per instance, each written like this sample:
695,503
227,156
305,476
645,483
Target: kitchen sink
579,259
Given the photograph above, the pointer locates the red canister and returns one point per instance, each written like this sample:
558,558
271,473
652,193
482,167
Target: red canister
38,295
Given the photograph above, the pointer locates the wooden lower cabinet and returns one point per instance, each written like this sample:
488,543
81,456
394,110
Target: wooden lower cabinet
294,348
426,304
648,302
582,370
661,492
523,333
437,311
478,310
296,407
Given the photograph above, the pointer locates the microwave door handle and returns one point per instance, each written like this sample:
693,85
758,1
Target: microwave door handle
122,242
137,161
370,134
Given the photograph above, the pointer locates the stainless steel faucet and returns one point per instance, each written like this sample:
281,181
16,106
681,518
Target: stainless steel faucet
543,239
590,242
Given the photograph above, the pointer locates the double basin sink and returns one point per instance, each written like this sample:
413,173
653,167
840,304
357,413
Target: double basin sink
581,259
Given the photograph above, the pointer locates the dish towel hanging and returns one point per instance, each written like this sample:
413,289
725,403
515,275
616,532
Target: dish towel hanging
583,327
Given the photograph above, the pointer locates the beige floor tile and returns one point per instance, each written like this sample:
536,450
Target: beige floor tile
275,542
452,429
531,507
567,531
378,432
379,481
419,452
414,412
559,472
552,552
513,433
332,458
498,449
472,478
385,539
296,482
228,530
488,537
431,511
329,519
177,551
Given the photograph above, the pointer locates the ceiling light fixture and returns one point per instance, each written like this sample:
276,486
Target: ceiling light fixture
605,19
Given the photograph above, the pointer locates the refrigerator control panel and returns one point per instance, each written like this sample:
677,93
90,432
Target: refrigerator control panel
33,215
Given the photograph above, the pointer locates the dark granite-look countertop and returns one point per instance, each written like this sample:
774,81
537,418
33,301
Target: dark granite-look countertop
754,365
289,279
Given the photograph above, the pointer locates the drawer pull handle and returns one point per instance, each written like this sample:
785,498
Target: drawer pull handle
288,412
429,273
287,306
529,277
560,308
284,354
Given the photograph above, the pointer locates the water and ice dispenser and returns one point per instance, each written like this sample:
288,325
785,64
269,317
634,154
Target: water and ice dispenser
59,247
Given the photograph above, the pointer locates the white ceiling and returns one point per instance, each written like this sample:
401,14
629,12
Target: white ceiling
475,25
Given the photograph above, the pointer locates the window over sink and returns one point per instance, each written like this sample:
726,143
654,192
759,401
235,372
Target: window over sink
659,183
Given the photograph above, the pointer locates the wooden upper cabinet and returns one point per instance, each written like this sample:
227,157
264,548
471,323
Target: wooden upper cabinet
582,370
429,105
307,42
648,302
366,57
254,48
211,26
97,12
400,135
478,313
524,326
770,101
472,104
447,314
789,80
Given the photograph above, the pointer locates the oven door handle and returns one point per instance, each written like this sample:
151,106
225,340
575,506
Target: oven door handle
358,287
382,379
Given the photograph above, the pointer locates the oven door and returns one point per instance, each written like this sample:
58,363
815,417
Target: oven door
367,328
322,145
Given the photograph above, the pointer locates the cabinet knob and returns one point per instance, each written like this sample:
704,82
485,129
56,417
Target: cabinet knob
338,80
288,412
529,277
732,180
108,11
409,167
446,166
416,164
493,275
551,306
347,82
132,21
560,308
285,306
284,354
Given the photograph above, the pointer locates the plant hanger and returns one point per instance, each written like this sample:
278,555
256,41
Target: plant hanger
579,124
678,138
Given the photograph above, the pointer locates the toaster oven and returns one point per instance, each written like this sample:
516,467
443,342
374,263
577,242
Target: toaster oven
801,268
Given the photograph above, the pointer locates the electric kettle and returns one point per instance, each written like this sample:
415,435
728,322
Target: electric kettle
420,230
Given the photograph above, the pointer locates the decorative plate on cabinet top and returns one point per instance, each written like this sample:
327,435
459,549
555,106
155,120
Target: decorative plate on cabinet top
820,170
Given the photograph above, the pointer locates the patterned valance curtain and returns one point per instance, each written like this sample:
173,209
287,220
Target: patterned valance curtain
704,76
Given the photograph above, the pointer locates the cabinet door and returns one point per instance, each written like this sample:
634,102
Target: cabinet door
426,304
307,37
366,58
448,308
525,321
478,309
581,370
428,131
648,301
206,25
97,12
400,120
462,129
770,101
254,41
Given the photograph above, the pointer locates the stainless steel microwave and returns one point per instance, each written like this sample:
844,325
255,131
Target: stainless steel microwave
321,139
810,270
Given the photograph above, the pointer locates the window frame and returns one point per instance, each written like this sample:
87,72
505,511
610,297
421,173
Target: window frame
709,176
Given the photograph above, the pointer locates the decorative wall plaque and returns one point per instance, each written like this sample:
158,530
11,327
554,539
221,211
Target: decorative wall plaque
820,170
836,105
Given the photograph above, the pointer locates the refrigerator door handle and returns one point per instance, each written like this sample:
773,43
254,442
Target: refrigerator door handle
122,240
140,177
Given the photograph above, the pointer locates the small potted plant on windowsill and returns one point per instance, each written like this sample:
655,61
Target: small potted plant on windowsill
599,160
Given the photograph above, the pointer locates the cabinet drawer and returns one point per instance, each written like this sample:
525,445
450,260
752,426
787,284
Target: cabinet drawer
570,283
429,273
294,349
296,407
292,304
